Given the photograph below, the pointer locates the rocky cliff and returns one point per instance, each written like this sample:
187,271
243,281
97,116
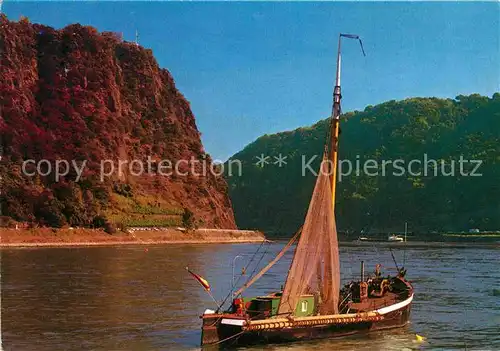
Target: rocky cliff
90,100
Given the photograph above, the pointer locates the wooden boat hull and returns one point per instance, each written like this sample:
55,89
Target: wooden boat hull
227,331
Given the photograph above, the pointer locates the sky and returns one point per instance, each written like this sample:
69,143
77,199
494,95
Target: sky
254,68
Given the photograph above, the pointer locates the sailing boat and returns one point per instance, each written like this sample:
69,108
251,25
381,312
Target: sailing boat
312,303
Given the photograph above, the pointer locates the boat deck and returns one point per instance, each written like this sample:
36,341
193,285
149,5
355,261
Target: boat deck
374,303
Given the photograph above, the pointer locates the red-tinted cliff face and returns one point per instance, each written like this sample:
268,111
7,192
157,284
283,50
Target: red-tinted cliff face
75,94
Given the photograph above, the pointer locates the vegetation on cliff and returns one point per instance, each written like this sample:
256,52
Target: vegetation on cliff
78,95
275,198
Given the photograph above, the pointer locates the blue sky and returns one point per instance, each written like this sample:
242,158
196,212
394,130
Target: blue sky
254,68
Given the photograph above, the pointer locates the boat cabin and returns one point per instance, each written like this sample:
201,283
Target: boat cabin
267,306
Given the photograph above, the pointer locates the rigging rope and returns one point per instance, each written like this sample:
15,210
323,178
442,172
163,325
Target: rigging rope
270,264
246,268
228,338
257,265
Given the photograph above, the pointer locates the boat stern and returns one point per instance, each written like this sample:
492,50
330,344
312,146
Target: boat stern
218,328
210,327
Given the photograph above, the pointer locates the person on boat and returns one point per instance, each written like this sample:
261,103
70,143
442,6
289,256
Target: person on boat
380,290
402,272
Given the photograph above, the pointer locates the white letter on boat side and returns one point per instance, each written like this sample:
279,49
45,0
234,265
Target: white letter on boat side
308,165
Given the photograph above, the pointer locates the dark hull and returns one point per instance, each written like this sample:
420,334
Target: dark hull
215,333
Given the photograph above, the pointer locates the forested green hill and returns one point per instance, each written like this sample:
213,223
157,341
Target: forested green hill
275,198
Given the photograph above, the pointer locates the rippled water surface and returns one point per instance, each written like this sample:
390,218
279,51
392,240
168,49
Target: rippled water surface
133,298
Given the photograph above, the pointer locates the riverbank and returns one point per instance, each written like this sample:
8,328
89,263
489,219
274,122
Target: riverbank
48,237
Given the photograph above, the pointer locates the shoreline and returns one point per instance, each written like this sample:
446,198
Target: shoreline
50,237
122,243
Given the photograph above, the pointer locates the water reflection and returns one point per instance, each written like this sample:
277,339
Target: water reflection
129,298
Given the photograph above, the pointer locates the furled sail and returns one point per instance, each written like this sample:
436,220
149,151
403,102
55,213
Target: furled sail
315,266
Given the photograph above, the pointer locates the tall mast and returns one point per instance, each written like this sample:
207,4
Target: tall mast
335,123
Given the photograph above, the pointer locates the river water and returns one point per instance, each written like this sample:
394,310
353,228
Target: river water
138,298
